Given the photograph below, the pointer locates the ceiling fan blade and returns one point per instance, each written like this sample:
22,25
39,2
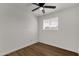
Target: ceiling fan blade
35,4
43,11
53,7
35,8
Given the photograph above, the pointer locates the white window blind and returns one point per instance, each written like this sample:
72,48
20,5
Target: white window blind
50,24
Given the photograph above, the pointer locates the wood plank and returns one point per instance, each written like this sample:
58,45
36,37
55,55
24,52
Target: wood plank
41,49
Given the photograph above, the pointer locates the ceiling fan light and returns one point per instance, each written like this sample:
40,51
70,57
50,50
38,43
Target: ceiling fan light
41,8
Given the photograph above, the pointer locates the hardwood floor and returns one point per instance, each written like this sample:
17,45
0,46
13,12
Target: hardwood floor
40,49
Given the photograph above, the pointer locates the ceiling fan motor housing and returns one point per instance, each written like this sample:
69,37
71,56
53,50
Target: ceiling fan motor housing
41,4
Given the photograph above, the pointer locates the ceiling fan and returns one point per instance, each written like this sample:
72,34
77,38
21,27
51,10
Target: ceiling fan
41,7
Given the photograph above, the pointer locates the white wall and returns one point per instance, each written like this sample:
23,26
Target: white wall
78,28
18,27
66,36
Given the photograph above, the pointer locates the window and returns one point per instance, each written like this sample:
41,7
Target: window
50,24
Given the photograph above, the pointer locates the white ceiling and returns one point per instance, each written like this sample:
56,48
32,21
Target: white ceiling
59,6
